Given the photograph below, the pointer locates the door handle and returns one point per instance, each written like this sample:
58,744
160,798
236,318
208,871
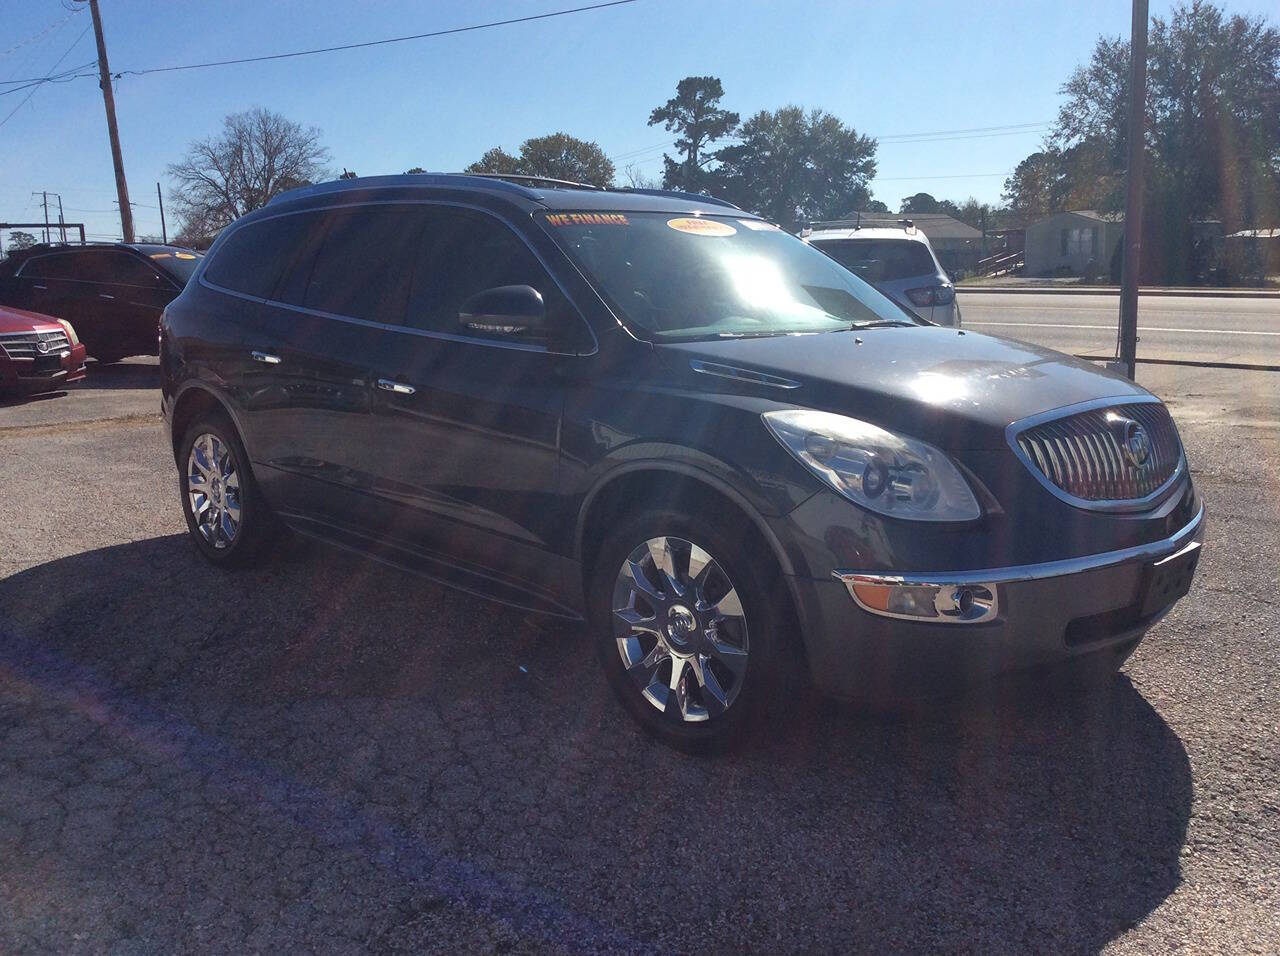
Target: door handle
105,295
400,388
265,357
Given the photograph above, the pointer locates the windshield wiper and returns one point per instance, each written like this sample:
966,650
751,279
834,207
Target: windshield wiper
882,324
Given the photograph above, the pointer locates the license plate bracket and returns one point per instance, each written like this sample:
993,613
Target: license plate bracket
1169,579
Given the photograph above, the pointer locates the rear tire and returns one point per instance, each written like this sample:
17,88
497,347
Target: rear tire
229,521
685,618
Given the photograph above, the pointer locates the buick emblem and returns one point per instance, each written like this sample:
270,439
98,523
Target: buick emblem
42,347
1134,442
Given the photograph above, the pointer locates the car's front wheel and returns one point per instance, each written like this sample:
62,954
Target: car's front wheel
685,618
227,518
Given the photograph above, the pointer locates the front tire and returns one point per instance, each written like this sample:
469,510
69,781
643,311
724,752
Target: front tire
685,617
227,518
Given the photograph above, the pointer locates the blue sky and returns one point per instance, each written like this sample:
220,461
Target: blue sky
886,68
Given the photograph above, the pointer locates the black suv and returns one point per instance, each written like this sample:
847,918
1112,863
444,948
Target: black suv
113,293
668,418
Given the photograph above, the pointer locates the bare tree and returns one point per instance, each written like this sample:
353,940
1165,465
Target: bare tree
638,178
257,155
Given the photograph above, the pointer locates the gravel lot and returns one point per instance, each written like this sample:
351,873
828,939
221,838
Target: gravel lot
327,754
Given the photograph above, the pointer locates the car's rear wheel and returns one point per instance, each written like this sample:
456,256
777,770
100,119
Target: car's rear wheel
229,522
685,619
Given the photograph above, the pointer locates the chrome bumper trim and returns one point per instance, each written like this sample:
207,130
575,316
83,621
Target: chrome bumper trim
1033,572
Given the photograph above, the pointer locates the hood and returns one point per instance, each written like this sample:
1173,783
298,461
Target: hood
20,320
953,389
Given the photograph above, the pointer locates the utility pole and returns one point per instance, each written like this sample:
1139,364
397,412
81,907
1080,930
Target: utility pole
62,225
164,234
46,217
1133,190
108,98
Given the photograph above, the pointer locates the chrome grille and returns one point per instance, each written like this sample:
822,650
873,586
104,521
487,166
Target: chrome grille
1083,455
27,344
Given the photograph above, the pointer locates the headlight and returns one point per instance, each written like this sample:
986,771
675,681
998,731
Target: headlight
877,469
70,330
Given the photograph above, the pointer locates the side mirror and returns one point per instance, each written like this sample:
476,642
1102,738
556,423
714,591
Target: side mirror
504,310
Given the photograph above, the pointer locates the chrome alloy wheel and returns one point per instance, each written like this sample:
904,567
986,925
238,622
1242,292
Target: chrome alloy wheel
680,629
213,490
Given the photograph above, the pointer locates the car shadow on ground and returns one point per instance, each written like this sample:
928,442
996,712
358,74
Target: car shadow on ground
130,373
11,400
326,751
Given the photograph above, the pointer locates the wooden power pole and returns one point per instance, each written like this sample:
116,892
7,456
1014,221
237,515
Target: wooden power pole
1133,190
164,233
108,98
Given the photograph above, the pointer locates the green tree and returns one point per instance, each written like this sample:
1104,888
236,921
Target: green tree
1031,192
924,202
415,171
497,160
21,240
791,165
557,156
695,114
1052,180
1213,128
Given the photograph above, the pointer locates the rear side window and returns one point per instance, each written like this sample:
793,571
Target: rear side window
365,263
120,268
880,260
64,266
462,253
256,256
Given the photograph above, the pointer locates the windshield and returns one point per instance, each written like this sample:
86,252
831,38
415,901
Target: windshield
683,277
880,260
180,263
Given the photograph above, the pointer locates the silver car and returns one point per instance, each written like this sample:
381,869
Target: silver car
897,259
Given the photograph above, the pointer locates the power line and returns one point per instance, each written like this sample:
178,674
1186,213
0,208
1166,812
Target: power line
933,136
35,87
64,77
645,149
974,129
369,43
33,38
944,139
892,179
46,78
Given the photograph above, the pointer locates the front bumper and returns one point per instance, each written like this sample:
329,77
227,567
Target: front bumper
1043,614
44,374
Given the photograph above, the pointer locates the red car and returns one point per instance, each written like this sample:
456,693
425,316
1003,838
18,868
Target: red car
38,353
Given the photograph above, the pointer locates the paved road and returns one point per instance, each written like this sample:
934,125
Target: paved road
1178,327
128,389
328,755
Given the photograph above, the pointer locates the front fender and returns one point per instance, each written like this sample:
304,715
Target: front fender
661,458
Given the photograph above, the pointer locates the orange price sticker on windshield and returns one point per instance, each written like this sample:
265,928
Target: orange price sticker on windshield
702,227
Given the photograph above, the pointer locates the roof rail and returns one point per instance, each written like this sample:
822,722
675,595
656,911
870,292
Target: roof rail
522,178
861,221
679,194
404,179
46,246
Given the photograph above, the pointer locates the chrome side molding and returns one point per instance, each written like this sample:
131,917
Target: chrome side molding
742,374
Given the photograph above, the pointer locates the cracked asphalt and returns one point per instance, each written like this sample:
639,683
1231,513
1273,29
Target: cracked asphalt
326,754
